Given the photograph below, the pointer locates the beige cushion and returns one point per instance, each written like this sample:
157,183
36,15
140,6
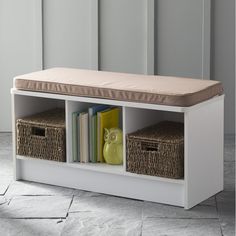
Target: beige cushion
162,90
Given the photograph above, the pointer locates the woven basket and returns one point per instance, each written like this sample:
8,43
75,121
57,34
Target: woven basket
42,135
157,150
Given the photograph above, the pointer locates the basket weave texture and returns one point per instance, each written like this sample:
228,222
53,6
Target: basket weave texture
42,135
157,150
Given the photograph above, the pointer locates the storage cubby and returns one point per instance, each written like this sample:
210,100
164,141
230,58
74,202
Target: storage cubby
26,106
76,106
29,105
203,136
138,119
71,107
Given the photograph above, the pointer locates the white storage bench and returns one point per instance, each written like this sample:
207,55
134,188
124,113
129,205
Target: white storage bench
144,100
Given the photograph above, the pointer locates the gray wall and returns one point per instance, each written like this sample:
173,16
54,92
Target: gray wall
68,38
116,35
123,38
66,33
122,35
179,38
19,51
223,55
179,46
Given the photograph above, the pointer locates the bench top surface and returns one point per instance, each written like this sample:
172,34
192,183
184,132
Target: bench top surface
163,90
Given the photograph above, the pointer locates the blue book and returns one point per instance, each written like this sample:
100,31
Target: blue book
91,112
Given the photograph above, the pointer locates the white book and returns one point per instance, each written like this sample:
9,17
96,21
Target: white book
84,135
80,138
74,136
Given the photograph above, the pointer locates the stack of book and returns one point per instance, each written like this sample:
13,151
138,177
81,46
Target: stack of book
88,132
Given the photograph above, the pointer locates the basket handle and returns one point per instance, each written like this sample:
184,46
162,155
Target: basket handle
149,147
38,131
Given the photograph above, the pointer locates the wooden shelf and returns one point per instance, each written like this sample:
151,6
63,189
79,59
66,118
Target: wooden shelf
103,168
203,147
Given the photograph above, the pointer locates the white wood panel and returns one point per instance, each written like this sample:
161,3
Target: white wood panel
20,48
103,168
204,140
119,185
136,118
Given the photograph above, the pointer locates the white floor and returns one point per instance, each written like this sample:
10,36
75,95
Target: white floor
35,209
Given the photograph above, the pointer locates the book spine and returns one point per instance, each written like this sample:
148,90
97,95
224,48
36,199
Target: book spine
94,138
98,136
78,138
74,136
86,138
90,143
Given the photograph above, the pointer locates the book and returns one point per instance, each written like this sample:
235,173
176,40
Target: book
74,137
105,119
91,112
78,138
94,139
84,154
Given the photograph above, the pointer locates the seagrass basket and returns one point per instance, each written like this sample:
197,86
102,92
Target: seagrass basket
42,135
157,150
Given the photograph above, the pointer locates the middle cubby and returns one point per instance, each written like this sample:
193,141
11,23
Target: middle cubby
86,123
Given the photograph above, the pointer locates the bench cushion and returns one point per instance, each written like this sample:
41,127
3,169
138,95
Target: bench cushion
161,90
